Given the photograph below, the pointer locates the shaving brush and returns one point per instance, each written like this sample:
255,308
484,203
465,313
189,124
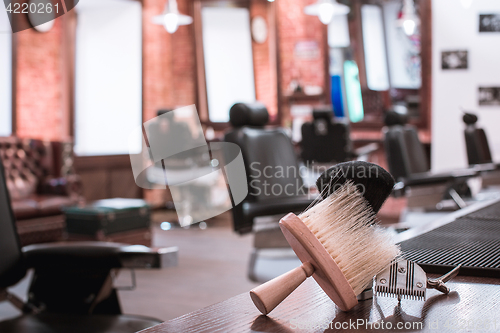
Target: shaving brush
337,239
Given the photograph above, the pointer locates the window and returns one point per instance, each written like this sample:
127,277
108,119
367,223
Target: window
228,59
5,74
377,76
108,76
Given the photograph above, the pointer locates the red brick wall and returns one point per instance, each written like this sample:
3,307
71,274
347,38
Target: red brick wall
169,71
168,63
169,74
169,77
264,58
39,102
295,26
169,67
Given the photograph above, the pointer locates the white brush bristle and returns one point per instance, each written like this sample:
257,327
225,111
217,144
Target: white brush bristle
345,224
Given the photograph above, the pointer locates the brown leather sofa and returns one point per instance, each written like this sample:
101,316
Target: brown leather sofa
41,179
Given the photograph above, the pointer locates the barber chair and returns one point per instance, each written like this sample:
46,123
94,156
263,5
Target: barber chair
478,151
409,165
326,140
72,286
273,175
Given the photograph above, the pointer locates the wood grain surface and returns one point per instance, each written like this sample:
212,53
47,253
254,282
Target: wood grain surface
472,305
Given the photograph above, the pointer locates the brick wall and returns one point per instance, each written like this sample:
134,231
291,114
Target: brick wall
294,26
39,100
169,71
168,61
169,65
264,58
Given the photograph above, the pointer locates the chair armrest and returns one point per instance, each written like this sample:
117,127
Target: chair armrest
465,173
140,256
486,167
97,255
277,206
429,178
245,212
364,151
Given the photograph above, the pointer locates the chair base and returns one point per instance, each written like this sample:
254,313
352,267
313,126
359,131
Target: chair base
57,323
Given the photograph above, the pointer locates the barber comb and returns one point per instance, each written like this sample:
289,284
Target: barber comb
337,239
406,279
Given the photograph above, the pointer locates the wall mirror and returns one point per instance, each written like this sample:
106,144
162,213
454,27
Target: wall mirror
392,56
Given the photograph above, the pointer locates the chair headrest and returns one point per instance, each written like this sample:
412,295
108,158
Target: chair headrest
163,111
392,118
323,113
248,114
469,118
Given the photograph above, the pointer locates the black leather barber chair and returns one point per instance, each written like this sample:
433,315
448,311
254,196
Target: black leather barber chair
409,165
326,140
478,151
272,167
274,183
72,287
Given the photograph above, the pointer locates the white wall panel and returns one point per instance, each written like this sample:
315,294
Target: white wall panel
108,88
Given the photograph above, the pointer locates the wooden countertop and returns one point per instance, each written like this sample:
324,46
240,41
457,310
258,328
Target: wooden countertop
471,306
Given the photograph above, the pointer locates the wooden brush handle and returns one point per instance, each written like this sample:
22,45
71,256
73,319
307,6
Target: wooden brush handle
268,295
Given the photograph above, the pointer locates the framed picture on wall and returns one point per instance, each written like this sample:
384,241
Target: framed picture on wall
455,59
489,22
489,96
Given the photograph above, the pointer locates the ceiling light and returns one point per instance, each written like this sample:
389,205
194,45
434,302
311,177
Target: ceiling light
326,10
171,19
171,22
408,19
409,26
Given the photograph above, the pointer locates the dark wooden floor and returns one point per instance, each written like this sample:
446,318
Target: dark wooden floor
212,268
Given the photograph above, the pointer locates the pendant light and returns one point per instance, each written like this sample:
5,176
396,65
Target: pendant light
408,19
171,19
326,10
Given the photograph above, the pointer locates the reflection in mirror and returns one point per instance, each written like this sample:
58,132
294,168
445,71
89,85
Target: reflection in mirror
377,75
387,57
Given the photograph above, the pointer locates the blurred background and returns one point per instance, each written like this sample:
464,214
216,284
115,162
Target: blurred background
386,81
